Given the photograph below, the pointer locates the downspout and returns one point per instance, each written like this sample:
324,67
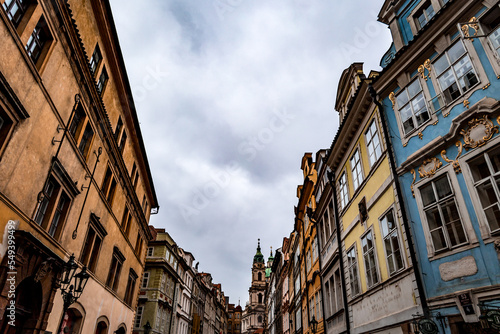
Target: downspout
339,246
406,225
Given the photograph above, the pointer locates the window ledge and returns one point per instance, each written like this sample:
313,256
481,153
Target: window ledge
453,251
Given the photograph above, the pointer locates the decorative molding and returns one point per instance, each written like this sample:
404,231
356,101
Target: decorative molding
406,144
420,135
466,104
413,183
429,167
479,131
392,97
421,69
446,114
472,24
486,86
436,122
454,163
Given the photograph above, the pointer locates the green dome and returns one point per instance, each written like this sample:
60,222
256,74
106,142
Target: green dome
258,258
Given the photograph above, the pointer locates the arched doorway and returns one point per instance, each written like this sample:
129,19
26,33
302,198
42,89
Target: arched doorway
121,330
102,326
27,311
72,322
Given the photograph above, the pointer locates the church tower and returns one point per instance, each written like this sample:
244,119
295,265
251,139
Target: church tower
255,308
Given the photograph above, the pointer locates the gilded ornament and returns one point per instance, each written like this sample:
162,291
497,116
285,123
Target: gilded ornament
447,114
429,167
420,135
466,104
392,97
472,24
479,131
406,144
436,122
454,163
486,86
425,66
413,183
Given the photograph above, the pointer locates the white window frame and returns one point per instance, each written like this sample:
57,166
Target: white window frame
466,223
471,186
138,317
373,250
370,136
356,169
145,280
343,188
350,272
491,51
399,108
150,252
396,230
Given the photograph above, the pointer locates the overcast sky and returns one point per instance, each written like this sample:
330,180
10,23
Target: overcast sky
230,94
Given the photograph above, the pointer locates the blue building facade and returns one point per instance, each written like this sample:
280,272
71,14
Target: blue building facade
440,92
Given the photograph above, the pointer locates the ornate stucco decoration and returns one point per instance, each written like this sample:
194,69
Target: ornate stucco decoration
486,86
420,135
429,167
446,114
466,27
436,122
466,104
425,66
454,163
480,130
413,183
392,97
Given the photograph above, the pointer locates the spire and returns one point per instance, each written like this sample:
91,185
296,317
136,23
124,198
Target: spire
258,258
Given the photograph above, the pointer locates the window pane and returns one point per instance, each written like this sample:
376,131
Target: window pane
438,240
456,51
414,88
454,227
443,187
486,194
434,218
447,79
441,65
495,38
494,156
479,168
402,99
427,194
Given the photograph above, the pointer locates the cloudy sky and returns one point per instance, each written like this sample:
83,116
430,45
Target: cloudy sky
230,94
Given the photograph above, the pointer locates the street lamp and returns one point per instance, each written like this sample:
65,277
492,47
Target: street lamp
314,325
147,328
71,285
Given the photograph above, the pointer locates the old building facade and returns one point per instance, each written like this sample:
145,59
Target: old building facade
74,176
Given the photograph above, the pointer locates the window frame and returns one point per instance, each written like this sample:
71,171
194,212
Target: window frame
399,109
465,219
357,173
114,273
108,186
138,317
354,265
371,150
343,190
102,81
89,254
396,229
77,131
374,280
93,66
130,289
41,30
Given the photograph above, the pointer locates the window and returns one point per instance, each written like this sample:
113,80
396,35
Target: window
81,131
424,16
138,317
373,143
441,213
15,10
126,220
391,242
39,41
485,171
343,191
308,260
6,127
353,271
123,140
144,204
103,79
454,72
357,172
367,244
150,251
114,270
298,319
92,244
412,107
95,60
52,208
129,291
138,244
145,280
109,186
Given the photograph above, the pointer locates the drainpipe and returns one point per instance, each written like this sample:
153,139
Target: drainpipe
339,246
406,225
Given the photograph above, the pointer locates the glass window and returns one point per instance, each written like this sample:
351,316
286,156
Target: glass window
425,15
441,213
91,248
96,59
145,280
391,242
352,265
454,72
130,289
343,191
15,10
38,39
369,258
115,269
486,177
357,172
138,317
373,143
412,107
103,79
81,131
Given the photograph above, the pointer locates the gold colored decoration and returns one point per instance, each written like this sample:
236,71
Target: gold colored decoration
472,24
486,86
420,135
406,144
436,122
421,69
447,114
429,167
454,163
392,97
413,183
479,132
466,104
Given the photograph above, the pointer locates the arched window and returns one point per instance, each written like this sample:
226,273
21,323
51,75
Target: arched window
259,276
260,299
102,325
259,319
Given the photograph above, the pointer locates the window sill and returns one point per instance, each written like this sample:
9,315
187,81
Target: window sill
453,251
